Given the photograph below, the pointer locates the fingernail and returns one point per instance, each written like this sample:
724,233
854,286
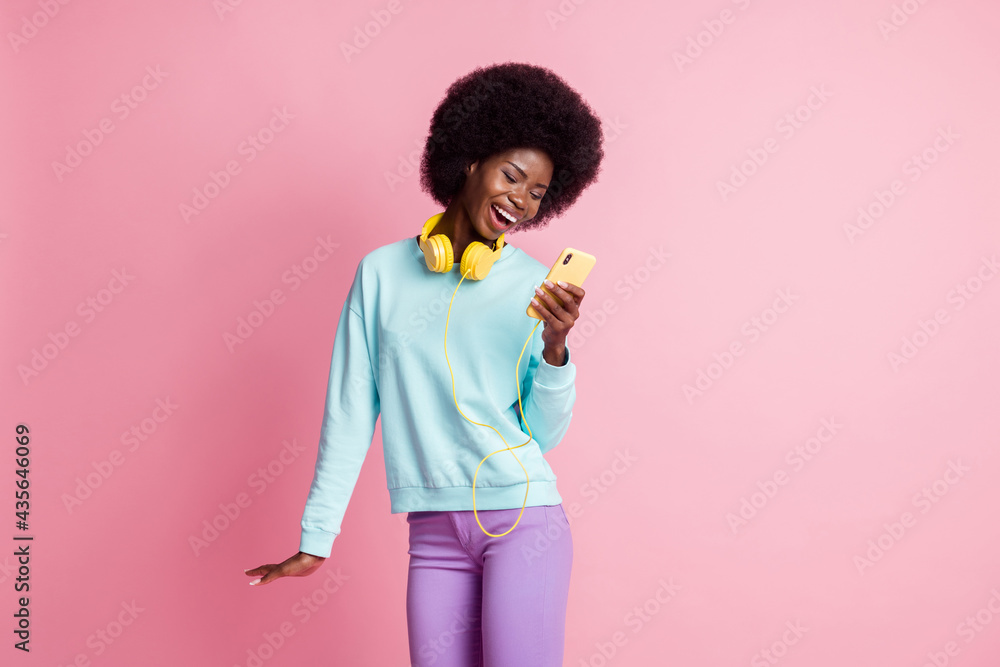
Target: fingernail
255,582
562,284
534,302
247,570
548,283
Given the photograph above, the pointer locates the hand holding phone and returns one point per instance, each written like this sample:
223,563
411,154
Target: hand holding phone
571,267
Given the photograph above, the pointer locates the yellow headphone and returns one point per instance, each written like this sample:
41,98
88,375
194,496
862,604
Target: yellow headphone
477,259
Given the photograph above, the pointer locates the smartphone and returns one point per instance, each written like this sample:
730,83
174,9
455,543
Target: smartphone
572,267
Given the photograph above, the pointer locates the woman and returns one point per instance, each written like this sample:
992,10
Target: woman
510,146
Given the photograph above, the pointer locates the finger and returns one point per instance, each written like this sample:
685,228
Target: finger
576,290
578,294
566,314
541,309
271,575
261,573
570,294
570,287
558,320
562,292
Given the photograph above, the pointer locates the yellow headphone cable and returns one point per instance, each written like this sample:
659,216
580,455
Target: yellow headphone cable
508,448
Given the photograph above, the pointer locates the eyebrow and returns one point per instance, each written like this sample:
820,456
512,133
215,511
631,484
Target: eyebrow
524,175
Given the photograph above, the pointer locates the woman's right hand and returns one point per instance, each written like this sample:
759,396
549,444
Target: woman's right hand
299,565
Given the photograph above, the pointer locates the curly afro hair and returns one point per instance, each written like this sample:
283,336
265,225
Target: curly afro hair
513,105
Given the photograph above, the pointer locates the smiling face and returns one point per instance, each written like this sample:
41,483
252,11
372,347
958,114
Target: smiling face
513,182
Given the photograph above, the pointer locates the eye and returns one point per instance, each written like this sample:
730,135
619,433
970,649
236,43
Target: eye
536,197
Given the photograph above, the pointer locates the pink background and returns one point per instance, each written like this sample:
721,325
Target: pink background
665,571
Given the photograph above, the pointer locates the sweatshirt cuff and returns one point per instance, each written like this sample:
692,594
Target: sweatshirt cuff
316,542
555,377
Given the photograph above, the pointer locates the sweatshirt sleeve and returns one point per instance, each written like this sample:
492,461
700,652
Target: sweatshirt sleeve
352,407
548,395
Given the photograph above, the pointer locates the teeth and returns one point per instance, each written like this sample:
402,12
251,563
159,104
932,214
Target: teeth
504,214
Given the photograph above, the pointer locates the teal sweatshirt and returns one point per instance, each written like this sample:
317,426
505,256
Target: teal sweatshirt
389,358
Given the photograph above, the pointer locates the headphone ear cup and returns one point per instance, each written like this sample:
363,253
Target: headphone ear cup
479,258
441,257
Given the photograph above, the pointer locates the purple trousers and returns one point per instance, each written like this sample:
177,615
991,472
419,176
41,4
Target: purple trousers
478,601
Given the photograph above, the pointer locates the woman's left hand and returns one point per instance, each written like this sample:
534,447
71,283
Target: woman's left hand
558,319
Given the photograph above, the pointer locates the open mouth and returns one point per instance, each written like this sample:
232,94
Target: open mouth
499,221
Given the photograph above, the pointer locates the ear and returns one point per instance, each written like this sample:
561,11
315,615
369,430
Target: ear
471,167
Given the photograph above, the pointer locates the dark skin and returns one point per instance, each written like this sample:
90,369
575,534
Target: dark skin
515,180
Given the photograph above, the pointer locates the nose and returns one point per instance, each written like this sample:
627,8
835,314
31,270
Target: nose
516,198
